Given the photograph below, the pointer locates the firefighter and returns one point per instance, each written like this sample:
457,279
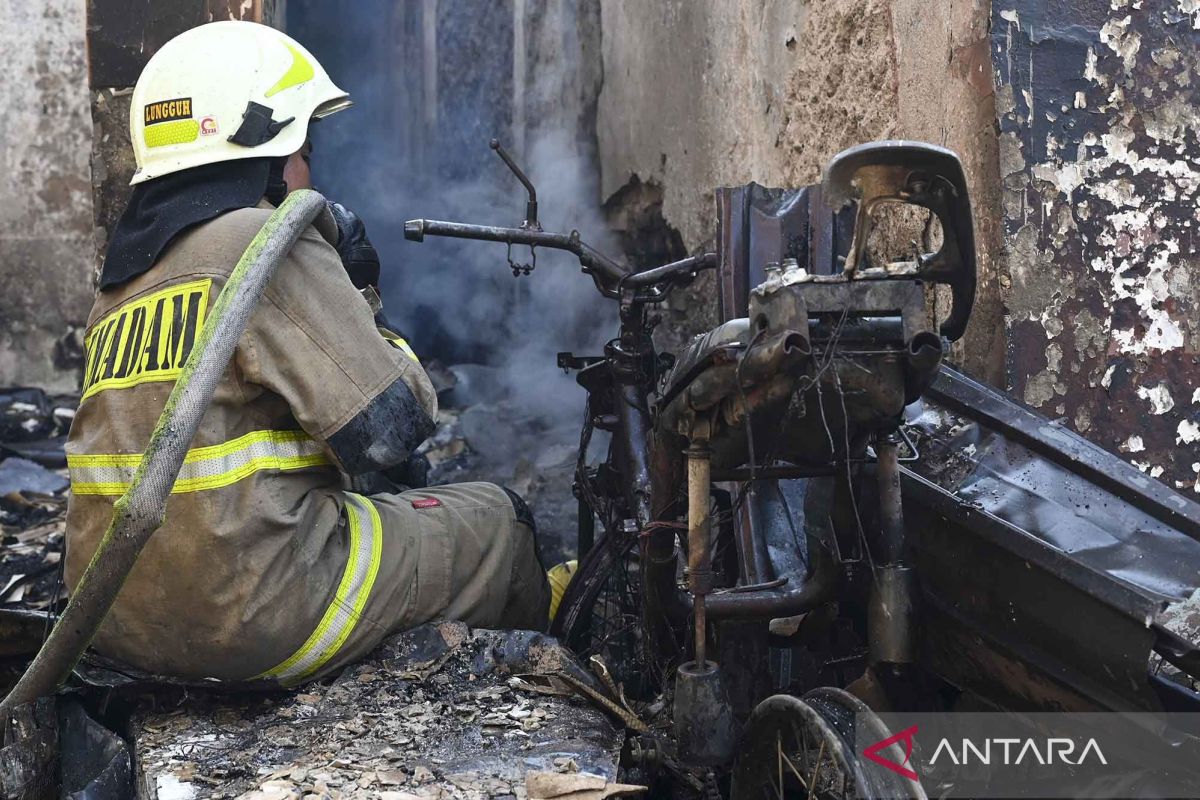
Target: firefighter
268,565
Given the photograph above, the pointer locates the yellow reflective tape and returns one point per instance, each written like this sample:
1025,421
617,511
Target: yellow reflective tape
105,460
246,470
145,340
244,441
181,131
359,601
195,454
353,591
399,342
203,468
293,665
559,577
117,488
299,72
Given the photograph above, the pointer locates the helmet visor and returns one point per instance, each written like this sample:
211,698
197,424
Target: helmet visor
332,107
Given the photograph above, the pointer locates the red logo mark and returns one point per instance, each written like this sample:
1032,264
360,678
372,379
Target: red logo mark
426,502
208,126
906,736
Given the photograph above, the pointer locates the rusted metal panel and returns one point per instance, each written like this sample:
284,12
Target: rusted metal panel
1048,565
1098,104
757,225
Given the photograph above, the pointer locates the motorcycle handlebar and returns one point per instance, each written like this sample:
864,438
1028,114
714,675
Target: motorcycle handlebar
416,230
611,275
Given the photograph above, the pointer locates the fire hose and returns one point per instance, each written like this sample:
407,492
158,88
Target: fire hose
139,512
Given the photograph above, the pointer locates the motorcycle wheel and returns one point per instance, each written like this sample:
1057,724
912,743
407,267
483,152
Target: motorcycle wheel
601,613
806,748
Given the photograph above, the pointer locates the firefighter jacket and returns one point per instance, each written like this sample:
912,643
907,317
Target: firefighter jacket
265,566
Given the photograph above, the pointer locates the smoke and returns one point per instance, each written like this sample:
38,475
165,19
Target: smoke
458,301
480,312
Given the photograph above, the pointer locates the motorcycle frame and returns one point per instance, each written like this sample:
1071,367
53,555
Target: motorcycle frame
621,384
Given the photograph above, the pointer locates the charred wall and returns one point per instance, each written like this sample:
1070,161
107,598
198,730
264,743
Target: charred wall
121,38
1098,107
45,196
705,93
1076,122
1085,201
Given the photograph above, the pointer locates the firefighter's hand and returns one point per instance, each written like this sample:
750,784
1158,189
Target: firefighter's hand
358,254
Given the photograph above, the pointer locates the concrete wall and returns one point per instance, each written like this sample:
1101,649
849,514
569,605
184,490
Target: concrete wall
45,192
47,183
704,93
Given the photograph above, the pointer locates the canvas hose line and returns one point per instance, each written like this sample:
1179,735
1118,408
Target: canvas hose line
139,512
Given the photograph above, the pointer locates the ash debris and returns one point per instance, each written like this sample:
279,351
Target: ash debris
435,712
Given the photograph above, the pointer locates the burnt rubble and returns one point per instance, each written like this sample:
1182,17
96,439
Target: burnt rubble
482,434
33,485
438,711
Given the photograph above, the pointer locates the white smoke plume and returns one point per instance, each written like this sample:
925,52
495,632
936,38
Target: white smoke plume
458,301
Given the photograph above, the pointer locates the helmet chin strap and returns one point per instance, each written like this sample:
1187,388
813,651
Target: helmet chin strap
277,188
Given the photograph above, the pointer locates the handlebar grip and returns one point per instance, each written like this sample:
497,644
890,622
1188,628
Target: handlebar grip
414,230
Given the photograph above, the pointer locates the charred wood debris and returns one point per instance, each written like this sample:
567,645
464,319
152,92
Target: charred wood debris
33,484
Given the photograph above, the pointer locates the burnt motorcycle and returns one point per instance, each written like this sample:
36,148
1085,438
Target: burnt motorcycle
748,587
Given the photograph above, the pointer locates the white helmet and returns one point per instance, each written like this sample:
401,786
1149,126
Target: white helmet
224,91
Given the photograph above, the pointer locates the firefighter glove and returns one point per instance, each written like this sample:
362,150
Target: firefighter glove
358,255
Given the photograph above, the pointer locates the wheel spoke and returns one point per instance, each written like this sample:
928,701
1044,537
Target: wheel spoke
817,767
795,771
605,617
779,761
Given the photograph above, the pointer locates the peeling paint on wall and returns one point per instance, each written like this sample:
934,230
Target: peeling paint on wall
1098,109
